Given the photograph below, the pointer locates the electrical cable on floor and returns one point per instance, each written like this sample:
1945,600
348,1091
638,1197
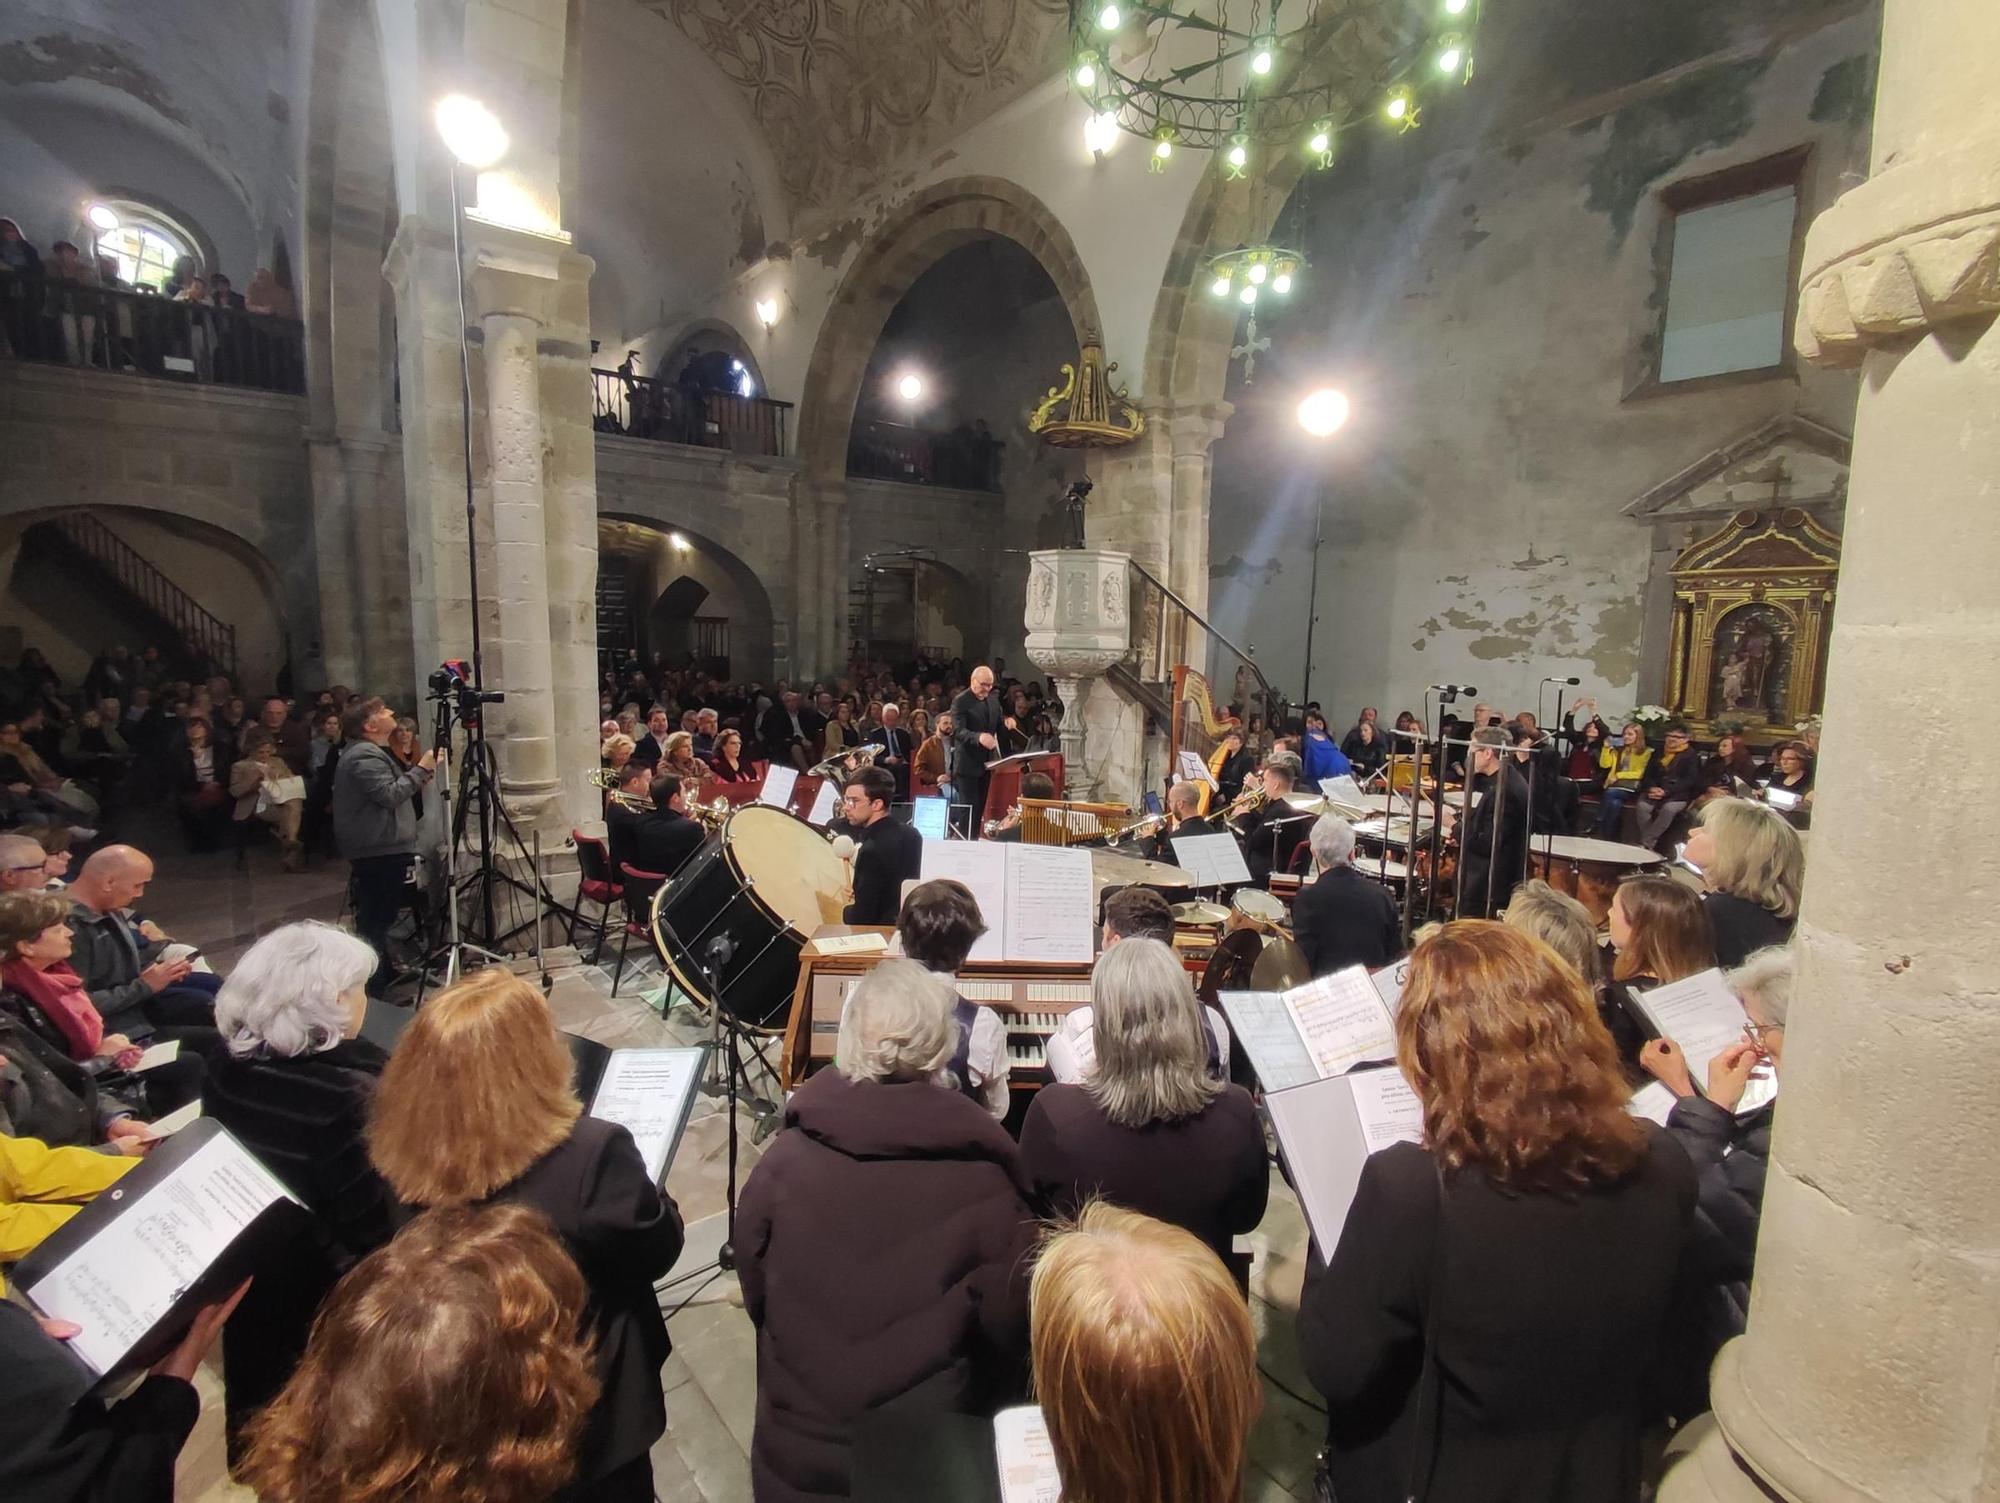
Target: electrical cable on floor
1291,1393
690,1299
665,1284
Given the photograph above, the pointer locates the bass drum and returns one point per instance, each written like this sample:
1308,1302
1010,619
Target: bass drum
765,883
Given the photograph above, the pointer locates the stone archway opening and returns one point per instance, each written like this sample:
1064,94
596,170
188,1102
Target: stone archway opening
667,593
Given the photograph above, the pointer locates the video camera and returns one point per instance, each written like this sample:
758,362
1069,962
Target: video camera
451,683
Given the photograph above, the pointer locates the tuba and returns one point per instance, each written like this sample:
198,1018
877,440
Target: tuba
845,764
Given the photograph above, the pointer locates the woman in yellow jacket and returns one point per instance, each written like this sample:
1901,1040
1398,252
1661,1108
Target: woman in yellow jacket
42,1187
1624,769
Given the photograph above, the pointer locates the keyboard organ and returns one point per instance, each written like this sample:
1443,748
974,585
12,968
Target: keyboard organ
1031,1000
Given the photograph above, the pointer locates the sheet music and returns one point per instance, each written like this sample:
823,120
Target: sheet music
646,1092
1342,1021
1026,1457
1212,860
982,866
1389,983
1344,790
854,944
1049,901
1387,1109
124,1280
159,1054
1194,770
1653,1101
825,801
174,1121
1700,1014
931,817
1264,1028
779,783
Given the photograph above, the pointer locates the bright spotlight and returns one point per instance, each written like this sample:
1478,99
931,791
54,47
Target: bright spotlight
1248,296
1455,7
471,132
1258,271
1163,148
910,387
767,311
1323,413
680,542
1450,60
1086,74
1260,63
1108,18
1319,143
103,216
1099,131
1221,287
1238,156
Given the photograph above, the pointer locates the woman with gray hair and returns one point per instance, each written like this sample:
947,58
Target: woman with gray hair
882,1244
293,1082
1150,1129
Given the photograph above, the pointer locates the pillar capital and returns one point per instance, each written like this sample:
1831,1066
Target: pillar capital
1190,427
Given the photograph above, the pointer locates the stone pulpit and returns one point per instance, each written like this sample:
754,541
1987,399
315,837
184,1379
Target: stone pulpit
1079,624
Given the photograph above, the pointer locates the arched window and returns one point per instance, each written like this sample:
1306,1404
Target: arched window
146,242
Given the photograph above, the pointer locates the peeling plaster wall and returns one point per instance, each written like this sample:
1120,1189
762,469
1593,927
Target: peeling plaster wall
1483,288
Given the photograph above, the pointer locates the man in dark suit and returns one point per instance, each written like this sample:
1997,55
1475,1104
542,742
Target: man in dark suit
626,810
977,721
1342,918
1186,819
896,749
663,840
891,852
792,732
1272,835
1488,877
652,747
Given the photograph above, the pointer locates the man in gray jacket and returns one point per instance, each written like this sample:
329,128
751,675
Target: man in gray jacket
375,824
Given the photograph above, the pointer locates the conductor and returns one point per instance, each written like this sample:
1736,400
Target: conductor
977,721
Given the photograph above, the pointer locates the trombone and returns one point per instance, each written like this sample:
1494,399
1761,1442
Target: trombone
607,779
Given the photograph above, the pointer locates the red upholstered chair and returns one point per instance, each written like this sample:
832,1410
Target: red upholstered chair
595,884
637,888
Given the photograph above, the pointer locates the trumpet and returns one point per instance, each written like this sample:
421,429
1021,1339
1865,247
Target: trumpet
605,778
1244,802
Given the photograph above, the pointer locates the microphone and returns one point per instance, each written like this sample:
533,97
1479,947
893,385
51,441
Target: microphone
1453,688
1572,682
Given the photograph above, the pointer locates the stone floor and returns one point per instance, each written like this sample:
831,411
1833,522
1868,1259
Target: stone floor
711,1376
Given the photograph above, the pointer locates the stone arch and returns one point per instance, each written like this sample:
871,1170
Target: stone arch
755,642
709,332
232,562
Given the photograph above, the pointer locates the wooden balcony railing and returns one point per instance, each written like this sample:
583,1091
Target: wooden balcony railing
58,322
641,407
960,457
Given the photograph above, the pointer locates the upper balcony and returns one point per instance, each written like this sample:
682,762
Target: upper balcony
642,407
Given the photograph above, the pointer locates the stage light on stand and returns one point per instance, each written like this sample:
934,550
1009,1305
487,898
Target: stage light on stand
472,133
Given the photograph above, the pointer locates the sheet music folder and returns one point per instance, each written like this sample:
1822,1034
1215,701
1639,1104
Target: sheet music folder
1328,1129
648,1092
196,1217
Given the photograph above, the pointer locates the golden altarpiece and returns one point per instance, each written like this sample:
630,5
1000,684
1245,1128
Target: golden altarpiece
1753,607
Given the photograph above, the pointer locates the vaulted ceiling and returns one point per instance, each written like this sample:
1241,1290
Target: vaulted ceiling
845,89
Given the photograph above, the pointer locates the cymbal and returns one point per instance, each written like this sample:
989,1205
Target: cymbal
1281,965
1307,803
1205,914
1109,869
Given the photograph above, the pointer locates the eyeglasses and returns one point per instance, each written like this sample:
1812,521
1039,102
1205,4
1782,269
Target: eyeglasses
1760,1032
11,870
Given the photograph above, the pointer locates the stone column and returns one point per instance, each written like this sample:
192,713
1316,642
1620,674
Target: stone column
1078,625
1874,1336
1192,432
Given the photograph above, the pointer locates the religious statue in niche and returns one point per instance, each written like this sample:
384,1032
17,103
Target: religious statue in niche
1752,654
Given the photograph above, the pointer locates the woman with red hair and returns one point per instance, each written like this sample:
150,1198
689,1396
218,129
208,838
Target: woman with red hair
1484,1329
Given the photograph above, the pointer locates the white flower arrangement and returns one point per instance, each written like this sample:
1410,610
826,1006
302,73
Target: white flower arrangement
1651,714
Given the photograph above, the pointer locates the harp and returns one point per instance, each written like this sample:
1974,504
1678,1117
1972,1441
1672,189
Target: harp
1199,724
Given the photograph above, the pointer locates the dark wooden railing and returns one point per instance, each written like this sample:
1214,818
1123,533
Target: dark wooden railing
59,322
641,407
1168,632
201,633
960,457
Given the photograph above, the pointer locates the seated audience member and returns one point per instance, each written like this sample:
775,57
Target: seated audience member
1790,769
1731,1155
476,1107
663,840
890,852
939,925
1583,761
1319,754
651,748
1624,772
452,1364
47,998
322,766
1129,913
1731,764
681,761
1483,1329
122,961
1153,1127
895,746
883,1244
61,1444
1659,933
1145,1363
1752,866
200,781
616,751
1342,918
253,777
23,864
293,1081
46,1095
1233,762
1366,749
20,762
1673,781
728,764
94,747
42,1187
707,727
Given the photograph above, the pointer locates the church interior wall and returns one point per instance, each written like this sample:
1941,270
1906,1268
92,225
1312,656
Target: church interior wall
1483,288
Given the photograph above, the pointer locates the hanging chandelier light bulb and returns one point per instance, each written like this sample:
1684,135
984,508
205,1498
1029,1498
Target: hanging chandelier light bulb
1108,18
1282,283
1456,7
1260,60
1221,286
1451,54
1086,72
1163,148
1248,296
1238,154
1259,271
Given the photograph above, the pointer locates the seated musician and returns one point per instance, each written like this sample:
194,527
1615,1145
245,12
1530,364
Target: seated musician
663,840
891,852
939,925
1272,833
1232,763
1342,918
1151,1128
1033,785
1129,913
624,808
1184,819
